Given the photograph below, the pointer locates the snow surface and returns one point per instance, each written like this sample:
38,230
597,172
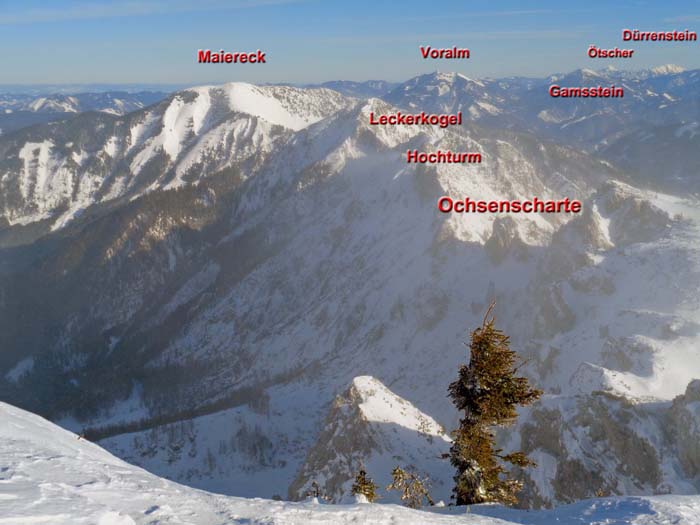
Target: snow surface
253,100
50,476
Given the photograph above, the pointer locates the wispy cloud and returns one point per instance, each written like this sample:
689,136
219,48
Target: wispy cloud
86,11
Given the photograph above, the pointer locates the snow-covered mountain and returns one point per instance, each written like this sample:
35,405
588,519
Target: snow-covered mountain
370,427
450,93
208,275
662,97
51,174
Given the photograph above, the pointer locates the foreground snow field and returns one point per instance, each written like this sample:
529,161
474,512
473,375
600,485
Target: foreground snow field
48,475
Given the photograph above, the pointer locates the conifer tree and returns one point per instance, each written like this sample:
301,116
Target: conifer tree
315,491
365,486
413,489
488,392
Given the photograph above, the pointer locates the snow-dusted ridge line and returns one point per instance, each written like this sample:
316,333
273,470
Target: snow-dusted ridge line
191,134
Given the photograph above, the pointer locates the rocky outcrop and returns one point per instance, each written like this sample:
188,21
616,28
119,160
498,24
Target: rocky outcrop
370,427
603,445
684,425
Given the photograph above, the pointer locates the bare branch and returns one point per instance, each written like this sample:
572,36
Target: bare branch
486,315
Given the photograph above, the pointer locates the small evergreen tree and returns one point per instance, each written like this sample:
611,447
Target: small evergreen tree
365,486
413,489
315,491
488,391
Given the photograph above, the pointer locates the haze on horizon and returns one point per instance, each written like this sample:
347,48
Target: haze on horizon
306,41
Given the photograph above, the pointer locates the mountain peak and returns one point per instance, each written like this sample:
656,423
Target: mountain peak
448,76
667,69
589,72
370,426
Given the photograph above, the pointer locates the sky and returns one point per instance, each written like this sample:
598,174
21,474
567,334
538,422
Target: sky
308,41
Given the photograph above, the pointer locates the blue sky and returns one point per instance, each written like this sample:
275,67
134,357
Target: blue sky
316,40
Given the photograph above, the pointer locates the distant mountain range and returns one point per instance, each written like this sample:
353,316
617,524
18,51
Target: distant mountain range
114,102
367,89
21,110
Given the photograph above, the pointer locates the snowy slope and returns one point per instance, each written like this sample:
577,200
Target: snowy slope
48,475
